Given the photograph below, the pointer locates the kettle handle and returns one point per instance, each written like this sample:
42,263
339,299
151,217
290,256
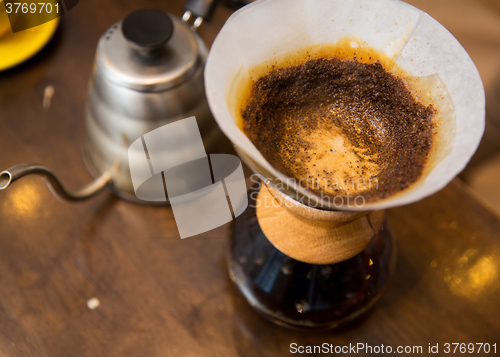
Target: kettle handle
202,10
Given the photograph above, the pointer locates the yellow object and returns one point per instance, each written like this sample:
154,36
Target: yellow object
16,48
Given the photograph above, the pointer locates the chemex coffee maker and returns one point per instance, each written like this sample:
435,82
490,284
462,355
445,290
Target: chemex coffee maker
298,259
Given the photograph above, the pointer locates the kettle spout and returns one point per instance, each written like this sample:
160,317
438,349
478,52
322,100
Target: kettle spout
14,173
5,179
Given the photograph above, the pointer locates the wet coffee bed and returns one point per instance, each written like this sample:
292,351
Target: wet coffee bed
341,127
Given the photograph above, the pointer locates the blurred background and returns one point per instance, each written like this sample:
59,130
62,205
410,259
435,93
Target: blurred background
476,24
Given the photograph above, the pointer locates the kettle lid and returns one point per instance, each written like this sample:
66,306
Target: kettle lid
149,50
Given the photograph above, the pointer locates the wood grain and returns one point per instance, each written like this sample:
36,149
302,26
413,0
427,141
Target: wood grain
162,296
311,235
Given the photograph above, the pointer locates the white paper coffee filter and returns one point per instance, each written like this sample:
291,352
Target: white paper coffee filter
267,29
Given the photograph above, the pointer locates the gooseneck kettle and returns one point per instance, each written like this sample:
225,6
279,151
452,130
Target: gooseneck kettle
148,72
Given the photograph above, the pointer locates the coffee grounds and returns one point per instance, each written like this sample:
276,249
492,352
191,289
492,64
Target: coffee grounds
341,127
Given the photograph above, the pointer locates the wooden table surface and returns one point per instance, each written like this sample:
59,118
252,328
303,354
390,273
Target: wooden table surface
163,296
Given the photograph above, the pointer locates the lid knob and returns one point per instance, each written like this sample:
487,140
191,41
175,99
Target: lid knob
147,29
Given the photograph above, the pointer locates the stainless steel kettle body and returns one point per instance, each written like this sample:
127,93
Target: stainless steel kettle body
134,90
